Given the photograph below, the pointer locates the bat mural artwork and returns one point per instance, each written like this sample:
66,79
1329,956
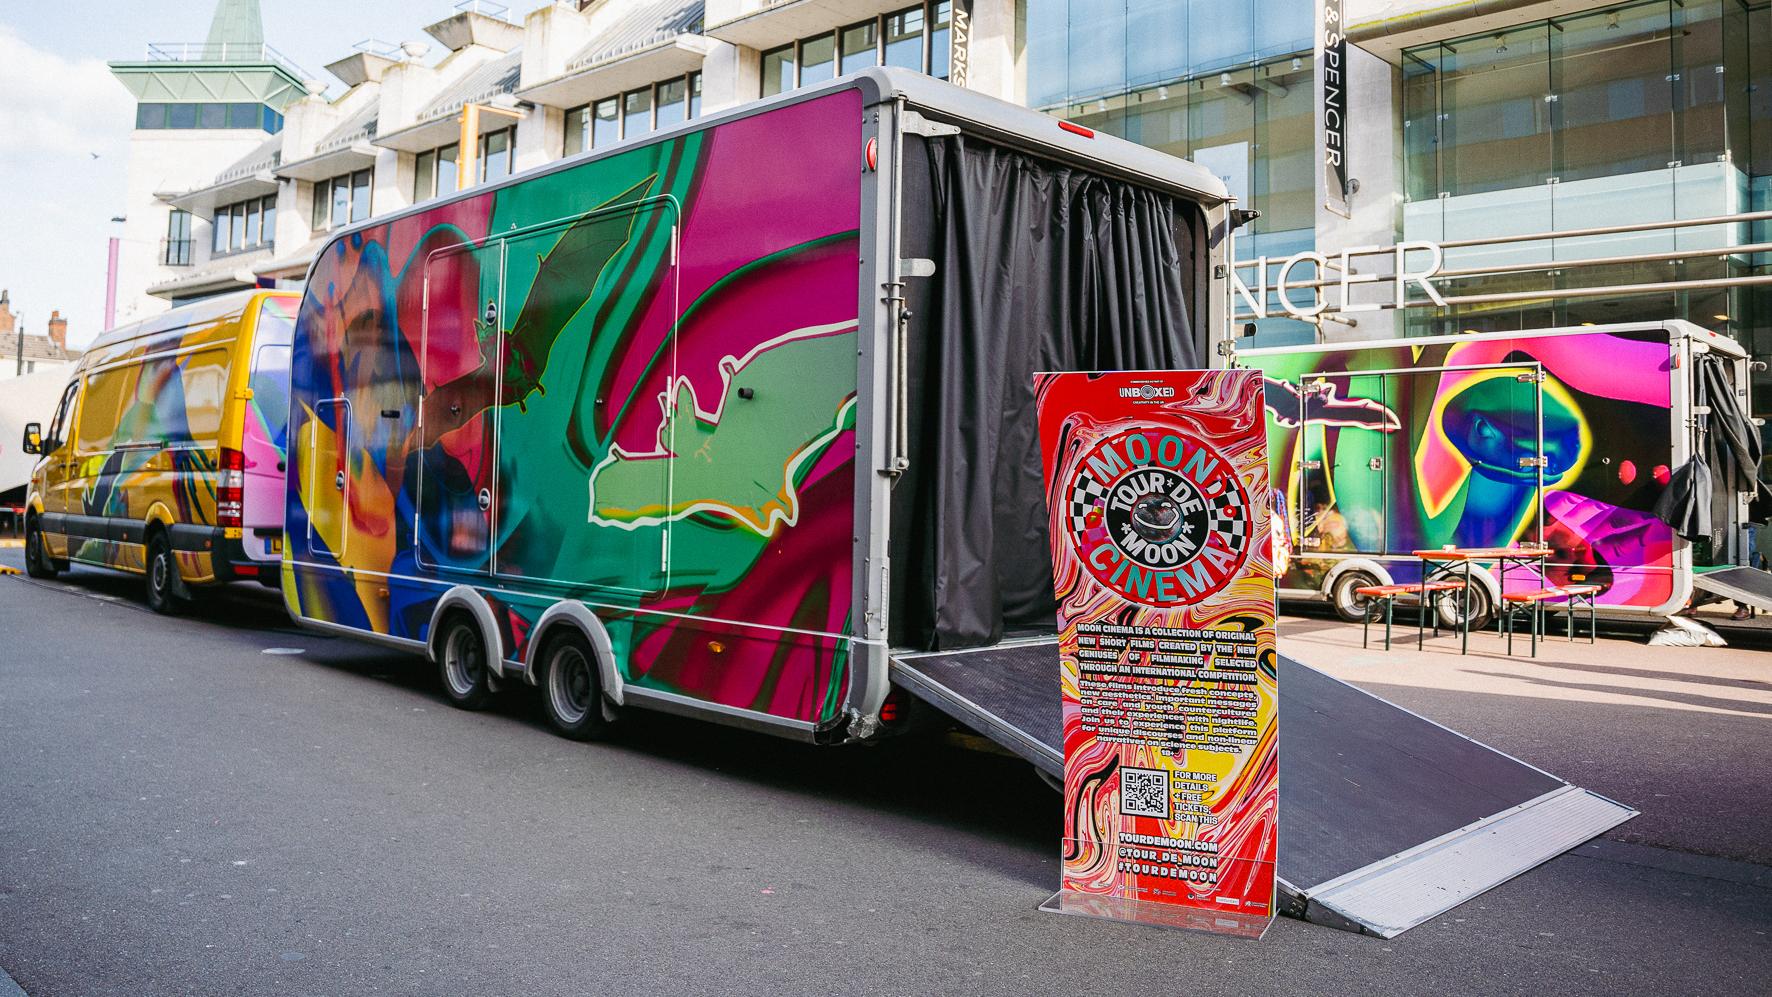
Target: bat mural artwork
1386,448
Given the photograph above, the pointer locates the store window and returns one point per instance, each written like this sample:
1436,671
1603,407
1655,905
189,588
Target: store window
602,123
211,116
243,226
1622,90
1081,50
433,172
341,200
497,154
178,239
912,38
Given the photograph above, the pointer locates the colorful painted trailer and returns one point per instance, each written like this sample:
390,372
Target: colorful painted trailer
711,421
1561,437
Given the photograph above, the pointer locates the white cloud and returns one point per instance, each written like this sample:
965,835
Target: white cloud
56,114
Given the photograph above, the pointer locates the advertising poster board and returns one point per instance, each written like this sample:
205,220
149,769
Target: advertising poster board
1157,488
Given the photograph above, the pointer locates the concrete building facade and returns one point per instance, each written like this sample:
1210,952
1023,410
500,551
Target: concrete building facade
1461,120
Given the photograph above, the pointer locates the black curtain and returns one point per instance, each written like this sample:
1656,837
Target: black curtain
1039,267
1698,501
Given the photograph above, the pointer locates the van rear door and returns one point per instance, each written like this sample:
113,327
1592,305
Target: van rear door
265,440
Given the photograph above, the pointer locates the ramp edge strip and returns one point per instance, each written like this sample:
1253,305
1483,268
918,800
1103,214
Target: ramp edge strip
1716,583
1392,895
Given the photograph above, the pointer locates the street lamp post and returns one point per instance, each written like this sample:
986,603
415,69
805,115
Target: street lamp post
19,368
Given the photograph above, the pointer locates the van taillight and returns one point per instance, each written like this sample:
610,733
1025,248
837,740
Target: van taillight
230,491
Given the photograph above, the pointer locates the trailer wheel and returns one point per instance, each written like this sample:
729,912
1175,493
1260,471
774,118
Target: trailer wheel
1450,605
1350,607
572,691
461,662
38,563
163,581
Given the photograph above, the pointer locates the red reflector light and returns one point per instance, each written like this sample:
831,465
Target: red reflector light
230,489
246,570
1075,129
890,710
872,152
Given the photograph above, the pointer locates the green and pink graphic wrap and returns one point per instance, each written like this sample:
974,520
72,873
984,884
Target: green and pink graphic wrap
628,382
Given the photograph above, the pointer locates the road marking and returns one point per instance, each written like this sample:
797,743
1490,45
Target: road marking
4,570
9,987
284,650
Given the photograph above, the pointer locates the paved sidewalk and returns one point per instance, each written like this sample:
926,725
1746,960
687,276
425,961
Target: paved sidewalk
1683,734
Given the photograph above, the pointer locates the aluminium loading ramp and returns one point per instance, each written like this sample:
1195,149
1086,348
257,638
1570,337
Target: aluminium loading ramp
1387,819
1748,586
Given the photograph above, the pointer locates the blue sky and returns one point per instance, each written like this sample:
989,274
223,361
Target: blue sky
66,122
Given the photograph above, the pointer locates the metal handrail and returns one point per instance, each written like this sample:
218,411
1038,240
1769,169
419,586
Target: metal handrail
1578,233
220,52
485,7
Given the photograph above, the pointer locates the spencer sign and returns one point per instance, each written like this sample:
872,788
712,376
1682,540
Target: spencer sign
1285,285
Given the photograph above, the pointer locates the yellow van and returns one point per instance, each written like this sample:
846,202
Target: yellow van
165,456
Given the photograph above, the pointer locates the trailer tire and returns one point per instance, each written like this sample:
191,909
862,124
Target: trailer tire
1350,607
462,662
572,687
38,563
1450,604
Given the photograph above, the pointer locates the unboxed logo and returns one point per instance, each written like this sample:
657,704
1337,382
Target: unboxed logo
1147,392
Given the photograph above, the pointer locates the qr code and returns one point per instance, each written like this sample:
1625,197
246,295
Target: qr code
1144,793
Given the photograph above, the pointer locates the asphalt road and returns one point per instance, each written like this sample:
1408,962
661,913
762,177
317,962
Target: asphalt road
183,813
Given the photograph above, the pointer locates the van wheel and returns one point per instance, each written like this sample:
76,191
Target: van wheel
572,690
461,662
1350,607
163,581
38,563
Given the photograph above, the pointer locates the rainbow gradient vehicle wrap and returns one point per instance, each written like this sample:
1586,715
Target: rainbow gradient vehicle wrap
629,382
1393,448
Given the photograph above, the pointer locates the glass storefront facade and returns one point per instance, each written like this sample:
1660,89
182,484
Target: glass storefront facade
1636,113
1227,84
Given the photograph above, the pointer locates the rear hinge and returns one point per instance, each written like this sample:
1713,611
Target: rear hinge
915,124
916,267
1311,465
1530,377
1534,461
1310,543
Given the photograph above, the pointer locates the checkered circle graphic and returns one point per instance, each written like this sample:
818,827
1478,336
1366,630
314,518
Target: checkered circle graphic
1230,516
1087,495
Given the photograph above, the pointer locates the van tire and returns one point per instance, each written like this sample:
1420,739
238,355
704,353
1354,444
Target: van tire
38,563
462,664
572,687
162,576
1347,605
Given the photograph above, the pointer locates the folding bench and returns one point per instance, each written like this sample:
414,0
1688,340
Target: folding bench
1387,594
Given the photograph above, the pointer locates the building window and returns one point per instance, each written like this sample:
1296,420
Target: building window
178,239
341,201
156,116
912,38
602,123
1623,90
434,172
242,226
497,152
